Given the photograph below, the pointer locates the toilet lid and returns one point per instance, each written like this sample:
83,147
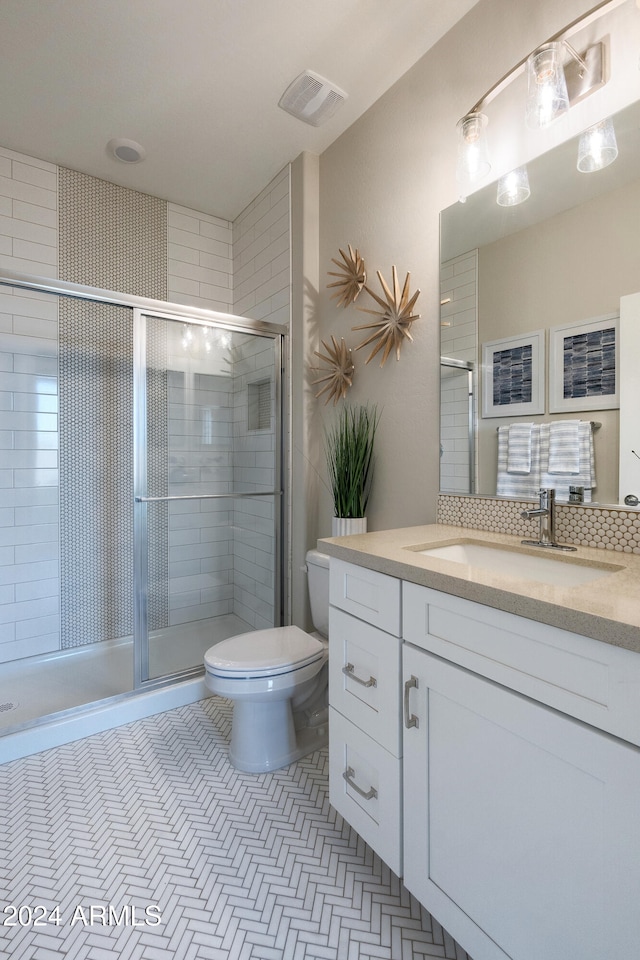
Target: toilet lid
263,653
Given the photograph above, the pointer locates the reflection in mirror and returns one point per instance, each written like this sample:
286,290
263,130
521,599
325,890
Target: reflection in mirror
558,263
457,420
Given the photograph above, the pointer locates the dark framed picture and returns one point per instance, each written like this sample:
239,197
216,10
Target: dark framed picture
584,365
513,380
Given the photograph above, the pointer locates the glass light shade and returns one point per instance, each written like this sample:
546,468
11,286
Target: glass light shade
547,97
473,152
597,147
514,188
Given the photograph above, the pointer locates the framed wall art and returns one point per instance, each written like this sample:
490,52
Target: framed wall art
513,375
584,365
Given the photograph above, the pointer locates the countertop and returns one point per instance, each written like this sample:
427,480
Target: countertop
607,609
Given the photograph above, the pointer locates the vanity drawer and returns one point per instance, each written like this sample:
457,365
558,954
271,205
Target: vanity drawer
365,788
368,595
364,677
593,681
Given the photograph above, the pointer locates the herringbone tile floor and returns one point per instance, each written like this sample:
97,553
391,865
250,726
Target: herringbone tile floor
144,843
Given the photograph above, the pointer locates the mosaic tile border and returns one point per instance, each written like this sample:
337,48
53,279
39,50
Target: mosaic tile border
96,483
110,236
587,525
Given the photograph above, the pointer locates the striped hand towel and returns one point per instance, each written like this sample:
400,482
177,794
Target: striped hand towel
564,447
519,448
586,473
523,485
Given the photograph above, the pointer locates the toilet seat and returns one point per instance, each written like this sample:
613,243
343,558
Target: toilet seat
263,653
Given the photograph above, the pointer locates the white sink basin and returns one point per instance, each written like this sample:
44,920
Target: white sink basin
556,569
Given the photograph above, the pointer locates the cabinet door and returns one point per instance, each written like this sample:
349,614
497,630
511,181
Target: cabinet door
521,825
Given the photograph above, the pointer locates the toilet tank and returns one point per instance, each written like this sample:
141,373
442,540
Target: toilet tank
318,578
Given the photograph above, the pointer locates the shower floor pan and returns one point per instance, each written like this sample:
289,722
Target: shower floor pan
41,698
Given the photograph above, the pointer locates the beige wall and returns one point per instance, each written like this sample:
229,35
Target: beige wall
382,186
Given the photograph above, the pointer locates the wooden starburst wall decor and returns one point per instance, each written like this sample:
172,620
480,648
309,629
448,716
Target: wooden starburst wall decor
339,378
352,276
391,328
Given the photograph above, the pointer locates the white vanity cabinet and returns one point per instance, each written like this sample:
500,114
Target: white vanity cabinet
493,762
521,826
365,731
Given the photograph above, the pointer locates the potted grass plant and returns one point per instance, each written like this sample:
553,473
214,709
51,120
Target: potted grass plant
350,461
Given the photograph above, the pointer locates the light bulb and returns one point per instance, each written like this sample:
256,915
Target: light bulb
473,152
597,147
513,188
547,97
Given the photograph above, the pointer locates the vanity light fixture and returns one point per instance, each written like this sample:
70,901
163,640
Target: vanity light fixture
553,88
597,147
473,150
513,188
547,97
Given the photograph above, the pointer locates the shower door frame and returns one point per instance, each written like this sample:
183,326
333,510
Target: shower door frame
186,314
140,526
468,367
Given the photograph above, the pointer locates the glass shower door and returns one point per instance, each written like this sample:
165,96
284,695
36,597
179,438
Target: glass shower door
457,428
207,514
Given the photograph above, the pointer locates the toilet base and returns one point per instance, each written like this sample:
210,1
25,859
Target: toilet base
264,738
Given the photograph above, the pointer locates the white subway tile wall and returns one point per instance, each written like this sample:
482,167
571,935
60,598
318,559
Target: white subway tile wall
29,528
28,215
221,552
261,255
200,265
458,339
200,454
29,550
254,470
262,290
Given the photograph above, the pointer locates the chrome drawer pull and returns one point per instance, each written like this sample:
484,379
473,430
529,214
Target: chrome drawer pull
348,672
410,720
369,794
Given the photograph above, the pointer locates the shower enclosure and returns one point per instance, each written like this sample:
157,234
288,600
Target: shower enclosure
457,427
142,514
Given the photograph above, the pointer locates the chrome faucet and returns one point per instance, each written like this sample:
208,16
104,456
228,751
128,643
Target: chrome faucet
547,514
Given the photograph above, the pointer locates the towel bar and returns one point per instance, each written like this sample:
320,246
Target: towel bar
595,425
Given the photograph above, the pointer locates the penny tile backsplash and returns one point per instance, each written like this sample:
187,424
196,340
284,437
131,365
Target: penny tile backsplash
586,525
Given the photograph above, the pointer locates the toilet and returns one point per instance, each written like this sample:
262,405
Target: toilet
278,682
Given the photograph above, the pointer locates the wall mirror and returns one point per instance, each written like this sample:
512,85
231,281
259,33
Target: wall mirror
519,276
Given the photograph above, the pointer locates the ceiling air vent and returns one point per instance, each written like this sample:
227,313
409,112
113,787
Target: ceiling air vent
312,99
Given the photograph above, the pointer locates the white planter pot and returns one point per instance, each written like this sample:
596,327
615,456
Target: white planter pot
345,526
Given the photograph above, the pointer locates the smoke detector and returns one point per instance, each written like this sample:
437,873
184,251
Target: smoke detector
312,99
126,151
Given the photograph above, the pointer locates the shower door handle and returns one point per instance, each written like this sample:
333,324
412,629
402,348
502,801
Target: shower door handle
210,496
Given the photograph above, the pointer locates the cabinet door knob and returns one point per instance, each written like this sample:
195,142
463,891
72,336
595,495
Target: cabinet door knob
349,672
369,794
410,719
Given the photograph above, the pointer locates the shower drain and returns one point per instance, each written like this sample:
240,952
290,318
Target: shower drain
7,706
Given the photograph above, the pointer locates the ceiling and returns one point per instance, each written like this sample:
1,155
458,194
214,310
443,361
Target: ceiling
197,83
